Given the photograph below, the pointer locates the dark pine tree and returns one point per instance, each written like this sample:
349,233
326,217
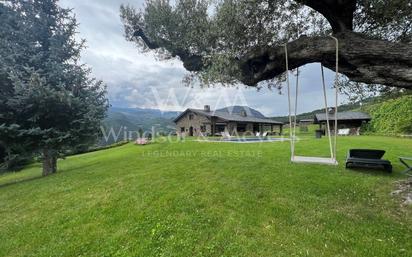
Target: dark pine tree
49,102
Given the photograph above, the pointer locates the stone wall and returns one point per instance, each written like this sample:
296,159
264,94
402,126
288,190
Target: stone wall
196,122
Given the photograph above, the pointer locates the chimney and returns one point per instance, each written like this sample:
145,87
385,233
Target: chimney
243,113
207,108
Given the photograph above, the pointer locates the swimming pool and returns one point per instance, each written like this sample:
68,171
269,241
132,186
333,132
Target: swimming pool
248,140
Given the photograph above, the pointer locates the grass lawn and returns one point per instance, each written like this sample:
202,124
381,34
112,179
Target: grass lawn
207,199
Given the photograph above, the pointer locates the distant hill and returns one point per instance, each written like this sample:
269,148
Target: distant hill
120,120
310,115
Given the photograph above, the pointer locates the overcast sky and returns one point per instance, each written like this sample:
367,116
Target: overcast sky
139,80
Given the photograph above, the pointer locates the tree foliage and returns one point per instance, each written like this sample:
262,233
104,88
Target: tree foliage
391,117
359,92
49,101
215,38
389,20
218,31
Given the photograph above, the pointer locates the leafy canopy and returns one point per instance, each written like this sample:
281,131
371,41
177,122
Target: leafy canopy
221,31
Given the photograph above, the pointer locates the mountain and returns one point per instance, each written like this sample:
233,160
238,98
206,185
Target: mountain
237,109
144,113
122,122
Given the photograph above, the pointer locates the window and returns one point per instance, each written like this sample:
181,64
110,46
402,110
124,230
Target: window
203,128
241,127
256,127
182,129
191,116
220,128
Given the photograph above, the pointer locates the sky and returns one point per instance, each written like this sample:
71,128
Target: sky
137,79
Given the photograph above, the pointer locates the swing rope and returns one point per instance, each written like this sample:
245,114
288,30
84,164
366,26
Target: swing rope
292,130
336,91
289,101
326,112
296,109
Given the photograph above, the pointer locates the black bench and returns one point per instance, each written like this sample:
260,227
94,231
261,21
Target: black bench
367,158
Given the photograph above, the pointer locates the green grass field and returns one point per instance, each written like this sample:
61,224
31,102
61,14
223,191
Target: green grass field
207,199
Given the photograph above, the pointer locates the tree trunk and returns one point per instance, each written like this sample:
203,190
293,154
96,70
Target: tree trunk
49,162
54,162
339,13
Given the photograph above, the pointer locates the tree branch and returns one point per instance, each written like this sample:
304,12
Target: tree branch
190,62
339,13
139,33
361,59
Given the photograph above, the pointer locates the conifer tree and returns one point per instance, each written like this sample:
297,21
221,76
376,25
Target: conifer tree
49,101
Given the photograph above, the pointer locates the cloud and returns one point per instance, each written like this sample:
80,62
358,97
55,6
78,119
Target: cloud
139,80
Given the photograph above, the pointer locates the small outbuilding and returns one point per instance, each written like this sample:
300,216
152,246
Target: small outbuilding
346,120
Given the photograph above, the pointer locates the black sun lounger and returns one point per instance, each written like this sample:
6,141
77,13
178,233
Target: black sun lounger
367,158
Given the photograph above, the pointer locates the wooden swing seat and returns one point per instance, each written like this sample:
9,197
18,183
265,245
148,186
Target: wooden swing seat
314,160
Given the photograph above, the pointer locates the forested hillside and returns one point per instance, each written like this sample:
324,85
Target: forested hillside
310,115
136,120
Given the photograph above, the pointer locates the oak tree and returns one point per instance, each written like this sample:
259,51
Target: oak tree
231,41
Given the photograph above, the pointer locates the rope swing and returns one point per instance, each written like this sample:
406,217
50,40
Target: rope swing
292,131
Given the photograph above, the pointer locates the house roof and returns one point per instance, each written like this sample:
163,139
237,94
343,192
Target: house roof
320,117
224,115
238,109
306,120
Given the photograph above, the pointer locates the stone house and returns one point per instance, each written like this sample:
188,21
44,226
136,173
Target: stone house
236,120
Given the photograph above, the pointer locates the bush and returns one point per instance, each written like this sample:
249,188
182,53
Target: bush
392,117
2,154
14,159
95,148
14,162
